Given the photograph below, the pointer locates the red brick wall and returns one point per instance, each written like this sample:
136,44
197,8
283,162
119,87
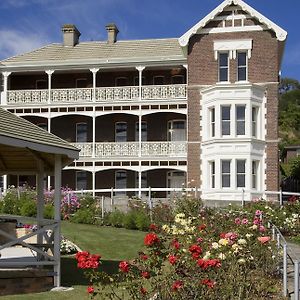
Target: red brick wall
203,70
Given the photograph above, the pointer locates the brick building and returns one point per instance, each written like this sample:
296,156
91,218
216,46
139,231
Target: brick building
199,111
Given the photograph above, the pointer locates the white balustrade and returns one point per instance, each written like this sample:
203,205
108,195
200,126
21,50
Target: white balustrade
27,96
122,93
72,95
103,94
131,149
86,149
175,91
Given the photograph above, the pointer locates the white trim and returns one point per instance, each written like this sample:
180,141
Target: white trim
280,33
233,46
233,29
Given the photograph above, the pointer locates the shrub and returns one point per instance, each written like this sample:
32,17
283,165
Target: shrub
48,211
188,205
11,204
142,221
84,216
162,213
28,208
116,218
129,220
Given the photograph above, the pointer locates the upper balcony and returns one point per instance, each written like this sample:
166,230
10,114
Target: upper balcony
95,86
102,94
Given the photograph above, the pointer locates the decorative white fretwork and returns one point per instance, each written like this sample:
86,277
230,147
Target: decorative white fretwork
27,96
72,95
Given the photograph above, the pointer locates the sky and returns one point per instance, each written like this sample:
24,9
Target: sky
29,24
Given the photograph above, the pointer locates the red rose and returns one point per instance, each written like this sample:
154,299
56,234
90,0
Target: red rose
87,261
202,227
222,235
177,285
90,290
146,274
124,266
143,256
172,259
153,227
209,283
143,291
151,239
175,244
195,250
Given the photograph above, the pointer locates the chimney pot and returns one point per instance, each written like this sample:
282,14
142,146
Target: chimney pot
70,35
112,32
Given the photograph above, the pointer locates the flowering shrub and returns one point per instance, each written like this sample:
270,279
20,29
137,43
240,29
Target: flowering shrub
67,247
215,255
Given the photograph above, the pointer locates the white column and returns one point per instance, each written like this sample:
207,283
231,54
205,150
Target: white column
57,201
49,130
49,72
94,134
94,71
40,199
4,183
140,69
94,180
5,83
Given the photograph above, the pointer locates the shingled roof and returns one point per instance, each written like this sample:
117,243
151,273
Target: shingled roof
103,51
20,140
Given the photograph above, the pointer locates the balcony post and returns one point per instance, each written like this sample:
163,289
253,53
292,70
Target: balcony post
49,130
94,71
140,69
49,73
5,89
94,135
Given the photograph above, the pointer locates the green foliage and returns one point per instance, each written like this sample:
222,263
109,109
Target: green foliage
188,205
49,211
84,216
28,209
162,213
11,204
295,168
129,220
115,218
142,221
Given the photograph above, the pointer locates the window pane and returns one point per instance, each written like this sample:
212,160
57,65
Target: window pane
225,180
225,128
240,128
121,132
223,74
144,131
242,59
254,121
240,112
240,117
212,171
225,166
81,132
225,112
241,180
81,180
240,166
121,181
242,74
223,59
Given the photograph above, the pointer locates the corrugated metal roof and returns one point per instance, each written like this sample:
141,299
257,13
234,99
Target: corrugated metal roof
103,50
16,127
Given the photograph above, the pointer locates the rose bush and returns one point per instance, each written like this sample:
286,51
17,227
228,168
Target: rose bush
214,255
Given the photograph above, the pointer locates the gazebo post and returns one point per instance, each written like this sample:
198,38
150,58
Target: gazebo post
40,200
57,201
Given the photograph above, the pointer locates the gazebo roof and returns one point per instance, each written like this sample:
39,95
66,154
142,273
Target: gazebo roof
23,144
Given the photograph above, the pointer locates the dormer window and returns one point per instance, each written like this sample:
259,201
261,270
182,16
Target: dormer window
223,66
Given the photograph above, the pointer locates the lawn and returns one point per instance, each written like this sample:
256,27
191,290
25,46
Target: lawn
113,244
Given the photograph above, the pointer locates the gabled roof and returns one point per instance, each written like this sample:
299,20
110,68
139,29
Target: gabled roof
280,33
20,140
102,52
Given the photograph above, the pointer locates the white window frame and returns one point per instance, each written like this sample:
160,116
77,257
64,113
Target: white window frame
116,124
222,67
226,174
171,128
254,174
77,125
226,120
237,174
86,179
237,121
212,121
212,171
242,66
254,121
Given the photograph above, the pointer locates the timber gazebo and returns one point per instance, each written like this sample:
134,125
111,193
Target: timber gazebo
26,149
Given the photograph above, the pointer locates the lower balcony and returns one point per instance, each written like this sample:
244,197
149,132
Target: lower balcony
131,149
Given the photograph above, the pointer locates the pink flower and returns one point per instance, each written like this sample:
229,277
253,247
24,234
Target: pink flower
264,239
245,221
256,221
90,290
258,213
262,228
237,221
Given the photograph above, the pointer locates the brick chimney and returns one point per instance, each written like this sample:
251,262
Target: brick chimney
70,35
112,32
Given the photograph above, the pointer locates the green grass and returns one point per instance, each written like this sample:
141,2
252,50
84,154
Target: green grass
113,244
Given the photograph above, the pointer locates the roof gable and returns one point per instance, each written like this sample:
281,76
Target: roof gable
280,33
